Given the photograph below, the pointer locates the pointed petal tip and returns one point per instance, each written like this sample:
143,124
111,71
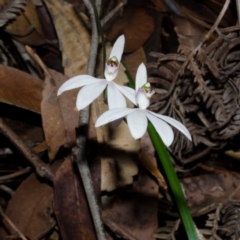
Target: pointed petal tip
118,47
122,37
178,125
142,66
141,76
58,92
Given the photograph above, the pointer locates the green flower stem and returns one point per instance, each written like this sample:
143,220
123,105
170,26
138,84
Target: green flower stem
172,178
173,183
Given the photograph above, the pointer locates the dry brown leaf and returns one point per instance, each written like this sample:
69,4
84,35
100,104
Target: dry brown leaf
73,37
30,134
52,119
59,114
211,187
136,25
41,147
135,210
149,161
20,89
133,60
74,42
190,35
70,204
26,27
30,208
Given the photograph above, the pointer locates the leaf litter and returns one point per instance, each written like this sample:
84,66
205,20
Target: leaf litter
133,195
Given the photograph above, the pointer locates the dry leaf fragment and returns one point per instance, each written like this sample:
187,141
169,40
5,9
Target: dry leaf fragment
189,34
26,27
133,60
70,204
59,114
31,208
135,210
209,188
20,89
136,25
52,119
73,37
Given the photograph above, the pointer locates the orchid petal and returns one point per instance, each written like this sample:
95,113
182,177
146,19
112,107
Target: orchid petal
162,128
115,98
113,114
78,81
141,76
117,49
89,93
175,124
128,92
137,123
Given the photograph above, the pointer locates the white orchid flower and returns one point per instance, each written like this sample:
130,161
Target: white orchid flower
93,87
137,118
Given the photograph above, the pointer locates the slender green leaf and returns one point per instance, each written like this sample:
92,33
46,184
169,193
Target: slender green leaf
172,178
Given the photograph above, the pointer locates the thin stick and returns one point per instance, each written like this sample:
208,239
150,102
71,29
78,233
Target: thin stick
7,189
98,5
13,226
42,169
238,10
79,154
111,14
16,174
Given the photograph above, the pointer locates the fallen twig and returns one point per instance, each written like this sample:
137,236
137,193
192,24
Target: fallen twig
16,174
111,14
7,189
79,153
98,5
42,169
12,225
